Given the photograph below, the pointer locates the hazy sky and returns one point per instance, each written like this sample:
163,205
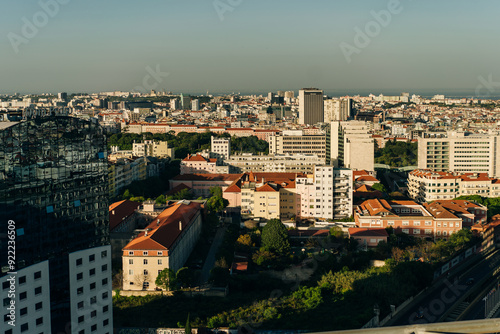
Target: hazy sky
248,45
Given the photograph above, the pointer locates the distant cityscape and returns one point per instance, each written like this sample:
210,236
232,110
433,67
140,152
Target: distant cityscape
162,212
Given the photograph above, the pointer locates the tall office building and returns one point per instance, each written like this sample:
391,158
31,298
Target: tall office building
311,106
460,152
53,196
337,109
296,142
186,102
350,145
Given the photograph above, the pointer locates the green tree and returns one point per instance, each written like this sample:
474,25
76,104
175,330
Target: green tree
166,279
461,238
182,194
275,237
217,204
264,258
380,187
187,329
216,191
126,194
184,276
161,199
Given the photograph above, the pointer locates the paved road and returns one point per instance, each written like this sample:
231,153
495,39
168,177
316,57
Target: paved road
210,260
440,298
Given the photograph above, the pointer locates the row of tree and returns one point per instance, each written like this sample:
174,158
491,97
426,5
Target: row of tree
397,154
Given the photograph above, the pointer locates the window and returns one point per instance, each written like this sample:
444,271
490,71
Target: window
80,305
79,262
81,319
23,311
406,222
79,276
22,295
457,224
22,279
39,321
104,254
160,261
428,231
37,275
38,306
93,328
5,285
104,268
405,230
105,322
130,272
145,253
416,222
92,286
445,224
82,331
93,300
445,233
428,223
145,261
104,281
92,258
38,290
105,295
416,231
130,252
390,223
24,327
93,314
92,272
145,271
130,261
105,309
160,253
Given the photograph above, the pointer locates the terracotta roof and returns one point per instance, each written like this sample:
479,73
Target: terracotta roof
207,177
120,210
367,178
438,211
266,187
196,157
163,235
235,187
308,233
367,232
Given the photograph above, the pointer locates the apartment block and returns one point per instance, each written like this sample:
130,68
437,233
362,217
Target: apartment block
326,195
350,145
152,148
279,163
296,142
460,152
425,185
220,148
337,109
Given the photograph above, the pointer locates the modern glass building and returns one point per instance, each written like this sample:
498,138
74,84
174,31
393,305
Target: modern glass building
53,190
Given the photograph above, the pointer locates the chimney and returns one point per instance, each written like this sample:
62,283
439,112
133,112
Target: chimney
146,233
113,212
180,225
157,222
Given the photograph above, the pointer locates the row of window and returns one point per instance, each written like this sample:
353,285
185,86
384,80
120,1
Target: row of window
22,280
145,261
145,253
23,295
25,327
79,262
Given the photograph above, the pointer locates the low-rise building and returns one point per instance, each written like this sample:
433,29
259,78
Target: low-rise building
165,243
426,221
368,237
279,163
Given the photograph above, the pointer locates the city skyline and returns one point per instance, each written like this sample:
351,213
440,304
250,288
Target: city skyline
242,46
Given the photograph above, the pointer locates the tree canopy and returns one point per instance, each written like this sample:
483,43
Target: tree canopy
166,279
275,237
397,154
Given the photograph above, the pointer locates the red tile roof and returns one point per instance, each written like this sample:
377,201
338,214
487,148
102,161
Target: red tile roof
118,211
367,232
163,235
266,188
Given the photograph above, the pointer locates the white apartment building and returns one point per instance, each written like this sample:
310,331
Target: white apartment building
326,195
350,145
460,152
30,292
337,110
90,290
220,147
296,142
279,163
152,148
425,185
